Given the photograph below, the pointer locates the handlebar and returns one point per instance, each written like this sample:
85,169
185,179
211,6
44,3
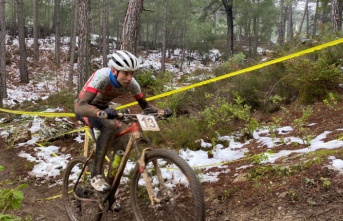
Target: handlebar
133,117
112,113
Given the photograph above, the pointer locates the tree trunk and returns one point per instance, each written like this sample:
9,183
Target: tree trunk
84,43
118,22
73,43
228,5
184,34
307,23
3,88
336,15
302,20
315,20
249,38
57,33
281,28
35,31
131,25
163,61
255,30
290,32
104,32
147,36
156,24
24,78
14,15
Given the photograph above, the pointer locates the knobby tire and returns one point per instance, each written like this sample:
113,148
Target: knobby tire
78,210
187,199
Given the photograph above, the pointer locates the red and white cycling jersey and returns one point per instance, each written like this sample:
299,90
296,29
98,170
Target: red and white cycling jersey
99,83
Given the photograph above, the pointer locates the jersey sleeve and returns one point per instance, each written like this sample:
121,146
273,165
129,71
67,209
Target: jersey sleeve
135,89
97,81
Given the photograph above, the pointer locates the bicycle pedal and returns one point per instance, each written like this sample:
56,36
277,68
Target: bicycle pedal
116,207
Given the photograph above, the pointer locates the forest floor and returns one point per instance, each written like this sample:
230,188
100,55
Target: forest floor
258,192
299,187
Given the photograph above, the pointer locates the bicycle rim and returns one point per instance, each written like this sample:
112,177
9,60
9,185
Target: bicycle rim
181,195
84,209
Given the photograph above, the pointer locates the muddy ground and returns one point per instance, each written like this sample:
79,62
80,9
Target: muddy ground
292,188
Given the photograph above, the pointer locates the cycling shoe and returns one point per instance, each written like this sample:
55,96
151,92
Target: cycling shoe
99,184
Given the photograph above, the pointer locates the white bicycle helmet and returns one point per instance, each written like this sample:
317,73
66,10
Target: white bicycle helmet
123,61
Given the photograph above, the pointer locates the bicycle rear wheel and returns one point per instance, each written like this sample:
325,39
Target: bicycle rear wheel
181,195
79,204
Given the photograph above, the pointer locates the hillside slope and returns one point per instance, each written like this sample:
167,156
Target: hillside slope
301,186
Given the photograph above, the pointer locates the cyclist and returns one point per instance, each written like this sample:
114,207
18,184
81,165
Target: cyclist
92,105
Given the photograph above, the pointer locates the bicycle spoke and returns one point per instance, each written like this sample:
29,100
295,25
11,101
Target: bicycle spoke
173,195
80,204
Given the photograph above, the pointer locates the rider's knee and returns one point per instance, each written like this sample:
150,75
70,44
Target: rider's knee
112,125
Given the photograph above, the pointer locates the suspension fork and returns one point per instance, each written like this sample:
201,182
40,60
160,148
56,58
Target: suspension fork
143,171
135,135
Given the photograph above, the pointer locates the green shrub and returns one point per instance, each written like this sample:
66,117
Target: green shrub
163,83
332,101
218,113
10,199
249,86
191,102
300,125
313,80
260,88
222,113
145,78
181,132
64,99
233,64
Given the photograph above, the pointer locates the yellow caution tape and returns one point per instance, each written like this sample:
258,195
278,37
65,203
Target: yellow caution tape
54,197
42,114
54,154
88,132
212,80
253,68
85,128
39,144
51,198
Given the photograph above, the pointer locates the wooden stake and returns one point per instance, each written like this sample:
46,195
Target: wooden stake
85,147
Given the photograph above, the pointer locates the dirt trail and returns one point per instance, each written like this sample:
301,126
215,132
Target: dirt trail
299,195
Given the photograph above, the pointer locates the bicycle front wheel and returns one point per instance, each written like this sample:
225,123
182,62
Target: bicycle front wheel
178,193
80,204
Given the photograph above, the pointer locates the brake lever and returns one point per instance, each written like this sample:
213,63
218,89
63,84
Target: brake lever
162,117
123,117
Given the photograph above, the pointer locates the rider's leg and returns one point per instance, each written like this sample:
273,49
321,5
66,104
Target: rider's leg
108,128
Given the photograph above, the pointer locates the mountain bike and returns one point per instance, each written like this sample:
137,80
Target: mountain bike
162,185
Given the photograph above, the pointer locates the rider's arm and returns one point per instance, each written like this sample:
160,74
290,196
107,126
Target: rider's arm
143,103
140,98
147,107
83,106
